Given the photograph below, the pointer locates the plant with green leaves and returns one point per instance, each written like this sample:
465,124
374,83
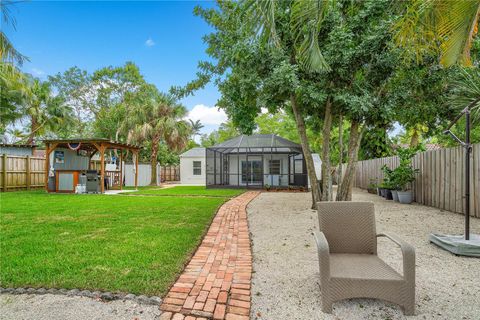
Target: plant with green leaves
158,118
43,111
405,174
439,27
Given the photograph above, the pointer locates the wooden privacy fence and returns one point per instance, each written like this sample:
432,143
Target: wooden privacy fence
21,172
169,173
440,182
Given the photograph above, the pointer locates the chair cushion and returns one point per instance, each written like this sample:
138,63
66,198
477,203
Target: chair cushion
361,266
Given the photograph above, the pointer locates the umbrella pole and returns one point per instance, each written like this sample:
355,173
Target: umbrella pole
468,150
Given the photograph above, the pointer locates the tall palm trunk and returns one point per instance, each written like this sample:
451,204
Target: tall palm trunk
34,126
326,165
344,192
306,151
153,160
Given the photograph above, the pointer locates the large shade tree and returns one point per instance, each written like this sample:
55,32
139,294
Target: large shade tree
262,49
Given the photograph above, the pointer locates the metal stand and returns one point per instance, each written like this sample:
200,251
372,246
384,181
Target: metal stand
470,244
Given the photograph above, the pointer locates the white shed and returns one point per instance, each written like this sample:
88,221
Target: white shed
192,167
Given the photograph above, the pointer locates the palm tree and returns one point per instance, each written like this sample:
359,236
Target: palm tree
8,53
44,111
12,93
466,91
196,126
158,118
444,27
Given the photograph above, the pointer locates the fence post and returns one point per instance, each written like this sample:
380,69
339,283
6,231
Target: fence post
4,173
28,178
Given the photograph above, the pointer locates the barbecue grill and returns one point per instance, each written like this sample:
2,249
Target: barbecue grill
92,181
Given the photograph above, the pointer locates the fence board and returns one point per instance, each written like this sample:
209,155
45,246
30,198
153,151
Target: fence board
21,172
440,181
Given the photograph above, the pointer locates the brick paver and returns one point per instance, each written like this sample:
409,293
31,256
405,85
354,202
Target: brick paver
216,282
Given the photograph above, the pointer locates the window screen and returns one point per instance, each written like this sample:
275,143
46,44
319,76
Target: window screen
274,166
197,168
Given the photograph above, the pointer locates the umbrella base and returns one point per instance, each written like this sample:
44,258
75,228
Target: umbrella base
457,244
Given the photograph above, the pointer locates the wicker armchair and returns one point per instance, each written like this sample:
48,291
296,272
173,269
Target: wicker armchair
349,265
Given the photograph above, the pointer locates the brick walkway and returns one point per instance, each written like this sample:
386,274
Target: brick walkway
216,282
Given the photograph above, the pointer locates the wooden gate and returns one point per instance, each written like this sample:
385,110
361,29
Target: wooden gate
169,173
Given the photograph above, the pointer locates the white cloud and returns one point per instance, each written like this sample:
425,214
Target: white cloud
37,72
207,115
149,42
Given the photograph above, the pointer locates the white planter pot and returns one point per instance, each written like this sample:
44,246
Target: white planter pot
405,197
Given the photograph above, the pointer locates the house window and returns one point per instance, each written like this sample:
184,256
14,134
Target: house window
274,166
197,168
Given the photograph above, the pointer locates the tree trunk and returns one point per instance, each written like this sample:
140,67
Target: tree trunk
344,192
340,147
33,131
415,139
153,161
306,151
326,165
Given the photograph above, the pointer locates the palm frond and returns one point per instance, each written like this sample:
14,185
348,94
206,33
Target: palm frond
306,21
8,53
261,14
456,27
466,90
442,27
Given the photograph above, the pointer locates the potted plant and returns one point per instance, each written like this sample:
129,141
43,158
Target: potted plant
394,184
405,175
388,182
267,186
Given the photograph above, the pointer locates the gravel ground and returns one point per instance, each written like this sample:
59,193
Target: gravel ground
61,307
285,282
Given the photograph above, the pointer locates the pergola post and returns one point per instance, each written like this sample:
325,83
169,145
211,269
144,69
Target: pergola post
48,150
47,164
102,168
121,169
136,168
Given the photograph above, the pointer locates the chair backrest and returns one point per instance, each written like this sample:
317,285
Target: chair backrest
348,226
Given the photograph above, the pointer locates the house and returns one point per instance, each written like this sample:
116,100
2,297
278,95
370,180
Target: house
254,161
192,167
17,149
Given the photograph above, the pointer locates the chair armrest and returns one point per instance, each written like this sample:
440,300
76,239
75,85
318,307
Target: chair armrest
323,256
408,252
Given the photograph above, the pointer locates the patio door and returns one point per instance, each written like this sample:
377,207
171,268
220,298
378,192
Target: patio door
252,172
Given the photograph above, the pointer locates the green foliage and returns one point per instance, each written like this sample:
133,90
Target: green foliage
375,144
402,176
438,27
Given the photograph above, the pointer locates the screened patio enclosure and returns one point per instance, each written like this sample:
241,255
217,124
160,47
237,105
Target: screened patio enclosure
256,161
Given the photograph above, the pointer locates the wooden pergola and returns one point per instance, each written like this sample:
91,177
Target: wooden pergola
92,146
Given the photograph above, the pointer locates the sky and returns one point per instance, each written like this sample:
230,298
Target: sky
164,38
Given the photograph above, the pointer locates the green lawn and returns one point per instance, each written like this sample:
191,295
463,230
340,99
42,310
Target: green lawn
188,191
110,243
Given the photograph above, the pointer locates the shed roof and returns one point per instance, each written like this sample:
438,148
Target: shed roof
194,152
10,145
257,142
